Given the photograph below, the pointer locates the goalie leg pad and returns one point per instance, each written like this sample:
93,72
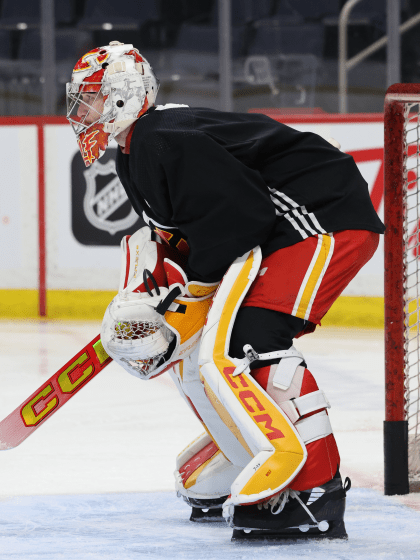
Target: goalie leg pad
204,404
278,451
288,382
305,405
203,474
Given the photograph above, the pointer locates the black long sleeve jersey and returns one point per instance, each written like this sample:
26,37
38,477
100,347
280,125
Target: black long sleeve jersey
226,182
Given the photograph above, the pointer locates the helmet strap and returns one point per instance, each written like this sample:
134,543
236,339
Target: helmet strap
116,127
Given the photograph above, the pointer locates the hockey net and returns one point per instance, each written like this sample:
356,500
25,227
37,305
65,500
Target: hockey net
402,289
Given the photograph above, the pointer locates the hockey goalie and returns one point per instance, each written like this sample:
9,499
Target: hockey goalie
253,231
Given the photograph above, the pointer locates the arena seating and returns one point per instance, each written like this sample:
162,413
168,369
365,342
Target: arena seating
21,14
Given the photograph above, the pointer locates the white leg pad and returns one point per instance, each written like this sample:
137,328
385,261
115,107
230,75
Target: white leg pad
192,449
192,390
214,480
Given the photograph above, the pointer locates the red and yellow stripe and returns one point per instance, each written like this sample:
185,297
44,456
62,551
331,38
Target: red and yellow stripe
314,276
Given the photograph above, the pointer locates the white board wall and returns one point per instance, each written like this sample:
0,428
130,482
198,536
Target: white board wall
73,263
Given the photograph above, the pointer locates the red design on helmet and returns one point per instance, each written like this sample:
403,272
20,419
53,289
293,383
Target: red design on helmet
92,142
136,54
92,82
84,63
110,88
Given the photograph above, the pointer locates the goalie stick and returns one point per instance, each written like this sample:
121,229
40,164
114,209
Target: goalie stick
53,394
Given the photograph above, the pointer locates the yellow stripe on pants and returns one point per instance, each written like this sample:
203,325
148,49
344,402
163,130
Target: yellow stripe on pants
319,268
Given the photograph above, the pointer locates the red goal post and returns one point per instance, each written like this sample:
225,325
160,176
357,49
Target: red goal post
402,289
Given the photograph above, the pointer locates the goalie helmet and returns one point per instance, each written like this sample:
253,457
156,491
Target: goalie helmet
110,88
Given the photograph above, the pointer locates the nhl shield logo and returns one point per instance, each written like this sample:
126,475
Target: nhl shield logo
100,204
101,213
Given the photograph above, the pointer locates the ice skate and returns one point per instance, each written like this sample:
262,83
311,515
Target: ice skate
316,513
205,510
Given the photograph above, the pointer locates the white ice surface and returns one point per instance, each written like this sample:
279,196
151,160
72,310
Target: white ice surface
156,526
95,481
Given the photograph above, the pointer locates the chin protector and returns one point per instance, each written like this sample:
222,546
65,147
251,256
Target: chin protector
276,450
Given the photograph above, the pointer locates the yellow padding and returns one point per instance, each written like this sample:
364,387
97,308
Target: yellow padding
190,322
224,415
289,452
414,312
200,289
347,311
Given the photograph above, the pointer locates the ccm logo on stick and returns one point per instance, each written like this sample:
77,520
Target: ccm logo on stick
61,387
253,404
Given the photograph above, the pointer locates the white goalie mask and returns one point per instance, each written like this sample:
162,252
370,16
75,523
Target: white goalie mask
110,88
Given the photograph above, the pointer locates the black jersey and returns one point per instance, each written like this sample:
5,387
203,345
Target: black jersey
225,182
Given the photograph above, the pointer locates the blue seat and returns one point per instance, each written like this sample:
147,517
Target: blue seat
196,51
203,38
371,12
70,44
271,37
317,10
245,11
286,11
108,14
21,13
5,45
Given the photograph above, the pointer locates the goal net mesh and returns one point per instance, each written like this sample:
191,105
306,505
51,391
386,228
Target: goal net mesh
411,256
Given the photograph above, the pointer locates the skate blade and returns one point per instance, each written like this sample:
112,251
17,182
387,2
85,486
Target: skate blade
214,515
336,530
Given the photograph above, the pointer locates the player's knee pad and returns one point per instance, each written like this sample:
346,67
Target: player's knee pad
295,390
203,474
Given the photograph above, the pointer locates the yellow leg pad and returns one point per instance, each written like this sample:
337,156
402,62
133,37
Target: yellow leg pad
225,417
279,453
289,453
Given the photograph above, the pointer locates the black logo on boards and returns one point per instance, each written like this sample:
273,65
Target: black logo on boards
101,213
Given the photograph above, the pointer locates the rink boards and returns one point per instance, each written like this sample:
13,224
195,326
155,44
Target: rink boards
76,247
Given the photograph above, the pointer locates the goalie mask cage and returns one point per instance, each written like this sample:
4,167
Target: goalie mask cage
402,289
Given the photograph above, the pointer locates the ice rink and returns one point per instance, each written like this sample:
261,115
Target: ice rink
95,481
